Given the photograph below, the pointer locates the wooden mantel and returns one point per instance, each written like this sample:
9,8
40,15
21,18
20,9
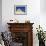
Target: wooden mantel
23,27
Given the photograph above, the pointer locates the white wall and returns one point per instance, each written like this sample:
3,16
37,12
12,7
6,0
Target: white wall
43,14
33,10
43,6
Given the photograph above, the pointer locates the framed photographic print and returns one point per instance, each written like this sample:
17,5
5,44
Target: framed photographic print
20,9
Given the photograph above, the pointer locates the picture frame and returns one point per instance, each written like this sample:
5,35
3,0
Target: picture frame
20,9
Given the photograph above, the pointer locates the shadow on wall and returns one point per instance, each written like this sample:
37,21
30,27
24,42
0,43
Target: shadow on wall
43,6
0,15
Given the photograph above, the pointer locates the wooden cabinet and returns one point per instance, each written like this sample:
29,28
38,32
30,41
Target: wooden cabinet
22,33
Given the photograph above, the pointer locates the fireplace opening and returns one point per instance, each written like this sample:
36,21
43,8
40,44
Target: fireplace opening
20,38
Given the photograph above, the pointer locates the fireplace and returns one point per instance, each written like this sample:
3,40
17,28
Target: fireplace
22,33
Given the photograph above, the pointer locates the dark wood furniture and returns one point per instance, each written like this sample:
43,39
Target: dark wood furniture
22,33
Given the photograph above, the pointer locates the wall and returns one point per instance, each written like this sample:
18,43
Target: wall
33,11
43,14
0,15
43,6
34,14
